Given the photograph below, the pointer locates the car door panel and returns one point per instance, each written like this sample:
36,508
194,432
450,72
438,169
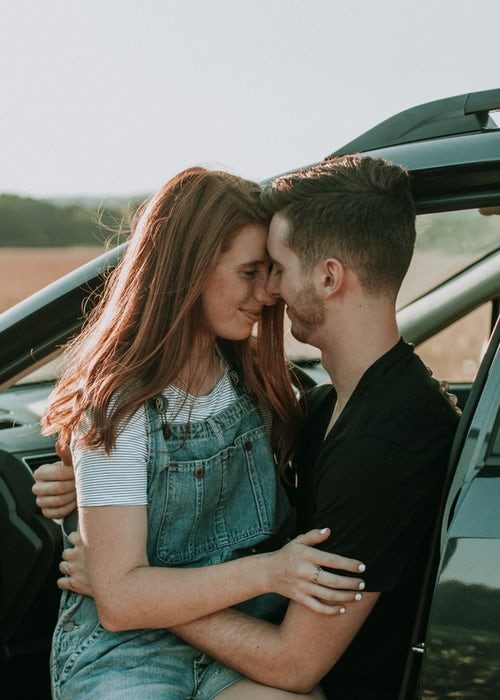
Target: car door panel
462,645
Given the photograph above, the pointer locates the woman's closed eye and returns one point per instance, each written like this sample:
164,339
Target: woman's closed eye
250,274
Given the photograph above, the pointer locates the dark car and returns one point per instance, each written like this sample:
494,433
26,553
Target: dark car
448,307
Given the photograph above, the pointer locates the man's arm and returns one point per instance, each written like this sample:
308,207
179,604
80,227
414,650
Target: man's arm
294,655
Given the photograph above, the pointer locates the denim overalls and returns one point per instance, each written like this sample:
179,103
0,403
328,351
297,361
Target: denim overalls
212,490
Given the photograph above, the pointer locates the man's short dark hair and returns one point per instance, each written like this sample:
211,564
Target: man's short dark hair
355,208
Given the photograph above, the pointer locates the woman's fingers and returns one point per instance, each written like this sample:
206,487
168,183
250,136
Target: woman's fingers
327,559
313,537
331,560
333,595
319,607
345,583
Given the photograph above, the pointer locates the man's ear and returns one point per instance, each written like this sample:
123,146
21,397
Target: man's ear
332,276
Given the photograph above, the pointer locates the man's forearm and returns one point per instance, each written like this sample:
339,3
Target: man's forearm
251,646
294,655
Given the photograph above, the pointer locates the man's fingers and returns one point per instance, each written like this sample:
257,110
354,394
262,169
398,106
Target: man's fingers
76,539
64,583
54,471
61,491
58,513
55,502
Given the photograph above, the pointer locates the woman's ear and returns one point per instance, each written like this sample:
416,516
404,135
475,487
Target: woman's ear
332,277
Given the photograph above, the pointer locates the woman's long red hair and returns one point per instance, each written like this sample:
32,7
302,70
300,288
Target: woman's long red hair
139,335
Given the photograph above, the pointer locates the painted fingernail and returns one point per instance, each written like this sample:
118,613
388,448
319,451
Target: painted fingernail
361,567
361,585
342,611
358,596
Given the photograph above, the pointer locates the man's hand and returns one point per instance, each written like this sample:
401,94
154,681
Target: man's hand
54,489
73,566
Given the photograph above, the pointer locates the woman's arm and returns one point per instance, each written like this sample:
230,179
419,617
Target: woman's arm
130,594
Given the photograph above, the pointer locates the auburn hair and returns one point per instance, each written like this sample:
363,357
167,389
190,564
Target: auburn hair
136,339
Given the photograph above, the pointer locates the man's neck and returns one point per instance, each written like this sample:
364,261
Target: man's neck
349,349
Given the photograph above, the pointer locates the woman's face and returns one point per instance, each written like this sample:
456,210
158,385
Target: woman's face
235,292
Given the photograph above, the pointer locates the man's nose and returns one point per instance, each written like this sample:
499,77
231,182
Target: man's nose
262,292
273,286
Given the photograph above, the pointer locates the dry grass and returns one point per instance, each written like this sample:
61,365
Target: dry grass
25,270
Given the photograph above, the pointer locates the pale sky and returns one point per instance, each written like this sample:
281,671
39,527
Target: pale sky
113,97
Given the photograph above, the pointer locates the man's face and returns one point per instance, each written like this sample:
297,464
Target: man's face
304,307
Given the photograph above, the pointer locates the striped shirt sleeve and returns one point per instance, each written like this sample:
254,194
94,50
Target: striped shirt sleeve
119,478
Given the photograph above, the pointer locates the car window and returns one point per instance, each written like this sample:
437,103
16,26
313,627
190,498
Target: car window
456,352
48,372
447,243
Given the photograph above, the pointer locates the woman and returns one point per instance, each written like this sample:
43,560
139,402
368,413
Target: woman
180,419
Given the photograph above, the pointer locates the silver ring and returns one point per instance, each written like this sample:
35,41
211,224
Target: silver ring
316,574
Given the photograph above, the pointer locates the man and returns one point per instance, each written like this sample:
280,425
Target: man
375,446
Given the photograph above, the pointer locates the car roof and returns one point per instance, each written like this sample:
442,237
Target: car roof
451,147
461,114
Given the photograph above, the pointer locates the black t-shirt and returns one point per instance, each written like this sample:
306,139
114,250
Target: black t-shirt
376,481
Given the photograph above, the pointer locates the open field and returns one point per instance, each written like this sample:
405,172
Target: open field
25,270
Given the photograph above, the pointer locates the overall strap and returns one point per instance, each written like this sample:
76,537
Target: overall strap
235,368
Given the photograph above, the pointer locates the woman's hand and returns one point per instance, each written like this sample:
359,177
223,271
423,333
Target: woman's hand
73,566
296,571
452,398
54,489
443,388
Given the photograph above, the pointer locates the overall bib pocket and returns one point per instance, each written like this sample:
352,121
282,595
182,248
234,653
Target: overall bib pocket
219,504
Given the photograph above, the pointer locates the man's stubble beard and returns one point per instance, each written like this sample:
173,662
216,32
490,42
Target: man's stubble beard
307,313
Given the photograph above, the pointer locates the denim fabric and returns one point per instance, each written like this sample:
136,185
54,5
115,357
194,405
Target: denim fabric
212,490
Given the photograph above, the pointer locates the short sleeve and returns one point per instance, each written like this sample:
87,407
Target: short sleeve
117,478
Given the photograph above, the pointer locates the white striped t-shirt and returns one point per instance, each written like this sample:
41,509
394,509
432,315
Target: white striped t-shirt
120,478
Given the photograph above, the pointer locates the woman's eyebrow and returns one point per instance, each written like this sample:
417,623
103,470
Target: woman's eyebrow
250,263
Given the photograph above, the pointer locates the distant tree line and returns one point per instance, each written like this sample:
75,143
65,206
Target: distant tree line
27,222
